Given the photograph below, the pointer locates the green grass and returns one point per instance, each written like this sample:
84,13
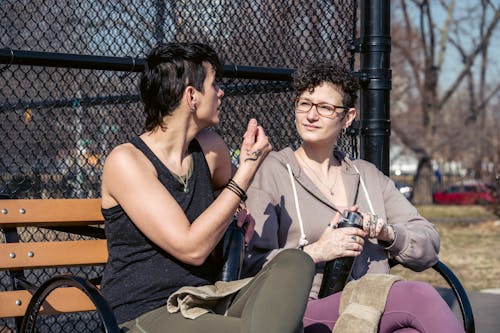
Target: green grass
445,212
470,246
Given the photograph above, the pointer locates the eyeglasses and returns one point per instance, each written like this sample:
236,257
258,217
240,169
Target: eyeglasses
324,109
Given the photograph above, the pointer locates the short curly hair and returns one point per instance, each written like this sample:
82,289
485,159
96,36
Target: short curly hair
312,75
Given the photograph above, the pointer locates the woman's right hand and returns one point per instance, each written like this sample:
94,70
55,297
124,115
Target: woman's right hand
337,242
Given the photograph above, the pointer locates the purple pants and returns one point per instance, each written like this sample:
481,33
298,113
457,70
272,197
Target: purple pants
411,306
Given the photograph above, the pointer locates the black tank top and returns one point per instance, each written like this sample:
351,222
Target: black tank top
140,276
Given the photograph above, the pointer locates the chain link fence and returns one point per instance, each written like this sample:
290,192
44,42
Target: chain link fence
57,124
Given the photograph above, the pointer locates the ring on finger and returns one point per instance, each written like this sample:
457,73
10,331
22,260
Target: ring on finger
353,238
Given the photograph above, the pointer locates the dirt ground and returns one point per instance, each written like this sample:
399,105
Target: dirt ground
471,249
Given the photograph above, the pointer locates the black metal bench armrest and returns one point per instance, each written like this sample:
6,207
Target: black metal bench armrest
460,295
458,291
102,307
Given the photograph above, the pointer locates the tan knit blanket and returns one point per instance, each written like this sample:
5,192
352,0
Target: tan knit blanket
192,302
363,302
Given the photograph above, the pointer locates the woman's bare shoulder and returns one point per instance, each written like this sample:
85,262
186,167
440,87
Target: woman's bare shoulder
121,155
211,141
217,156
126,162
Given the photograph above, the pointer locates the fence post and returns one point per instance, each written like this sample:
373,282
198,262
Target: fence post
375,52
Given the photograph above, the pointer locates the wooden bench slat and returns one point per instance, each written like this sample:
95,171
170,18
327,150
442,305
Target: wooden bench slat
68,299
33,254
34,212
53,254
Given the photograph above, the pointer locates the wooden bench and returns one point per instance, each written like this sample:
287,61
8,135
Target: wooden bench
70,293
67,293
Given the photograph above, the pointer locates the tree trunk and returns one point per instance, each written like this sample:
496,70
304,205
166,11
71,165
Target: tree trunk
422,183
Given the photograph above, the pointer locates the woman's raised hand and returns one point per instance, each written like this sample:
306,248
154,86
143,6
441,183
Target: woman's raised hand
255,145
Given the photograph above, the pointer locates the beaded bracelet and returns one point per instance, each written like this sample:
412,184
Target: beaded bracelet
233,187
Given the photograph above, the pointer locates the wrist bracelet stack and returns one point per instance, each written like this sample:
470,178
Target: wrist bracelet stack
236,189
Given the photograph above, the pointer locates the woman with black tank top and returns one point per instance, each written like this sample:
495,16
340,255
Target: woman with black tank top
162,219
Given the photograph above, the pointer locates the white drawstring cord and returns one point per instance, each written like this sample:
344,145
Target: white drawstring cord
370,202
365,190
303,240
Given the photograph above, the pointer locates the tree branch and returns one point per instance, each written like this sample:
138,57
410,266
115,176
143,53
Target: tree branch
469,60
410,143
487,99
415,68
444,32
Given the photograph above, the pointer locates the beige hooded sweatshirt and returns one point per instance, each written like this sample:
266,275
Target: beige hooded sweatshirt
271,203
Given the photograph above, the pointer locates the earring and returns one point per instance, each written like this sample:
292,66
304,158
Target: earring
192,109
343,132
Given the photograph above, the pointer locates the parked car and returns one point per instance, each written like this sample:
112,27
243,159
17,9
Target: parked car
406,190
465,194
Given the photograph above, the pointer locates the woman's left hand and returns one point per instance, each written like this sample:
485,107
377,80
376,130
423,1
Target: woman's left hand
377,227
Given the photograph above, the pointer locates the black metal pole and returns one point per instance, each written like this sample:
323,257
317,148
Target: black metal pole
375,41
65,60
125,64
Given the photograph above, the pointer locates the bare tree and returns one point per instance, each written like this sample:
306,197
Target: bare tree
424,33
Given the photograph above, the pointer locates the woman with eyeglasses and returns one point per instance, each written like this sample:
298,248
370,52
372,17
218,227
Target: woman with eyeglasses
298,197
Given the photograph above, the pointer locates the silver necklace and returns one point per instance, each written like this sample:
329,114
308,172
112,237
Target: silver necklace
329,188
184,180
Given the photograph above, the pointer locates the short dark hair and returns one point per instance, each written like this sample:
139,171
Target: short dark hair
312,75
168,70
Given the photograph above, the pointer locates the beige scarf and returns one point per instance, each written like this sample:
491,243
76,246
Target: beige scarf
363,302
192,302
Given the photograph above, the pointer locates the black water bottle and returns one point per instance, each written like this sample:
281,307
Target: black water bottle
233,247
337,271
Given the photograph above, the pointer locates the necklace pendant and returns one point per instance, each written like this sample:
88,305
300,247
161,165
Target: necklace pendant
186,190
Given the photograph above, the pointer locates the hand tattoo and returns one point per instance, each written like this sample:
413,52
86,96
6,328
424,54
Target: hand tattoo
256,154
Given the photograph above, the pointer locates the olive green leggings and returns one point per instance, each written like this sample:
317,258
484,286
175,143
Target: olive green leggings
273,302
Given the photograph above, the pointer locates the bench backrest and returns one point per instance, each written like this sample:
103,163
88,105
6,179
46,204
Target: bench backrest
30,254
